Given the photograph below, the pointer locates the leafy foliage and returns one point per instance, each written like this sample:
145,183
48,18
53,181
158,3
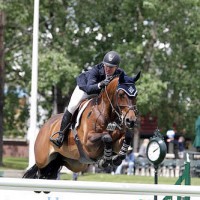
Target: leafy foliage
159,38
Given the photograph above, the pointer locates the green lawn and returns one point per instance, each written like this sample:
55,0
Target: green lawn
14,163
22,163
126,179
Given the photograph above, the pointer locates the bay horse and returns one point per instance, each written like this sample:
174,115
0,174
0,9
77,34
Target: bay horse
101,136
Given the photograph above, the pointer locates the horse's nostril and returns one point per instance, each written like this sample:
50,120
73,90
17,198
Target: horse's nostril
130,123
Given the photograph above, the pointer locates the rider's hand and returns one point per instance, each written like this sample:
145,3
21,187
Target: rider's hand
103,83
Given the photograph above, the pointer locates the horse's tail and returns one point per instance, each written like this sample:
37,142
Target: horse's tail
32,172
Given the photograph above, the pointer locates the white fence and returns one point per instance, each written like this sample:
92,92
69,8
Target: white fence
97,187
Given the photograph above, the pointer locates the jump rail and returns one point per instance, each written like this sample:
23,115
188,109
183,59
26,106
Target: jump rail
96,187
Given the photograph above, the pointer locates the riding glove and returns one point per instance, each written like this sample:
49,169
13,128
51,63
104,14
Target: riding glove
103,83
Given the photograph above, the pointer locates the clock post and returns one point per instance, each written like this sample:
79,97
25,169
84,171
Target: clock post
155,174
156,152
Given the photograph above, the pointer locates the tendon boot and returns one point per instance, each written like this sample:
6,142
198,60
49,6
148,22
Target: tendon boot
58,141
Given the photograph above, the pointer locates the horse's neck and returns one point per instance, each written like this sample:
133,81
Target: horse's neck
107,101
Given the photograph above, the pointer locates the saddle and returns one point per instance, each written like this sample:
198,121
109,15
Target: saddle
74,124
77,115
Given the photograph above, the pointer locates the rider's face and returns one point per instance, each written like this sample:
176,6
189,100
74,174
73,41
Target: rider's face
109,71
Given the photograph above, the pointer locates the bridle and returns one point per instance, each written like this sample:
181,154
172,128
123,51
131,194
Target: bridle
118,111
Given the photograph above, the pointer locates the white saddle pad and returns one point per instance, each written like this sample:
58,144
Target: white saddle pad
80,113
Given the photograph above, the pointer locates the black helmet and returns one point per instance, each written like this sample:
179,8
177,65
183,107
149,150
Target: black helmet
111,59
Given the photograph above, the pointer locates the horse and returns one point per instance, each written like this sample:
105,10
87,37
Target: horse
100,135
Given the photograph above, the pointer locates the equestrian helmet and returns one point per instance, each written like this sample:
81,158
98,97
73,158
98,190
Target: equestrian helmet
112,59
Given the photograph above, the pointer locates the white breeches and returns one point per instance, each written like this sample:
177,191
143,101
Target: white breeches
76,98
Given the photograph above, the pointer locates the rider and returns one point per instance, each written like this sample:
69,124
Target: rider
88,84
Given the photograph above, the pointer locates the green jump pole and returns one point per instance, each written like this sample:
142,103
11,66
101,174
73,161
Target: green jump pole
185,176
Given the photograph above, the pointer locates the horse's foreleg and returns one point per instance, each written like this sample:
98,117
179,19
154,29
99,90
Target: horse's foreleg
107,156
125,145
117,159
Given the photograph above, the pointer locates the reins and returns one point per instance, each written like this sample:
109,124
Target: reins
118,114
119,122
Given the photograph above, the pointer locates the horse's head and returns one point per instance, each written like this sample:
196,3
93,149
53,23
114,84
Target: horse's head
124,100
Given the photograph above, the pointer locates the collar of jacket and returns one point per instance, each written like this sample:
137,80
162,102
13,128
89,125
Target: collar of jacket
101,69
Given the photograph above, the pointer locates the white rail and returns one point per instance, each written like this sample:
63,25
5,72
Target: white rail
97,187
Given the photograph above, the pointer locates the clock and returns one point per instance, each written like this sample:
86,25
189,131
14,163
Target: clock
156,150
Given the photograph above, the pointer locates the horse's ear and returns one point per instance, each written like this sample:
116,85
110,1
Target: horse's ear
136,77
121,77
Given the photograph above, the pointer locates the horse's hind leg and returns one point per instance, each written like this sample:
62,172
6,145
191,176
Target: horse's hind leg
52,169
32,172
107,156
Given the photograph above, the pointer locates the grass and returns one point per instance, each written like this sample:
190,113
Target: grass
22,163
127,179
14,163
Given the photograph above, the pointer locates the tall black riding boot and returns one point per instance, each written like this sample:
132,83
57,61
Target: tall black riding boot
61,134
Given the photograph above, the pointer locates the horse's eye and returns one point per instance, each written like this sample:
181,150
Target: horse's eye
121,95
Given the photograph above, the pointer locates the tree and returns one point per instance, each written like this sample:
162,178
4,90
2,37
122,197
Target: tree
17,65
175,58
2,25
75,34
149,37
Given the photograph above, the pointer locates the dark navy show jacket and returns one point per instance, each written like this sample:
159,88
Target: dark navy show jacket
88,81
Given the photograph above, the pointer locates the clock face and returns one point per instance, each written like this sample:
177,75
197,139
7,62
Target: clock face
153,151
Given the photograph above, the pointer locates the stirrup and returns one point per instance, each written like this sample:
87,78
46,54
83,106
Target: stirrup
59,140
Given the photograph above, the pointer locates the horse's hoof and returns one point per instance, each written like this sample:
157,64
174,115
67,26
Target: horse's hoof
116,160
37,192
46,192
